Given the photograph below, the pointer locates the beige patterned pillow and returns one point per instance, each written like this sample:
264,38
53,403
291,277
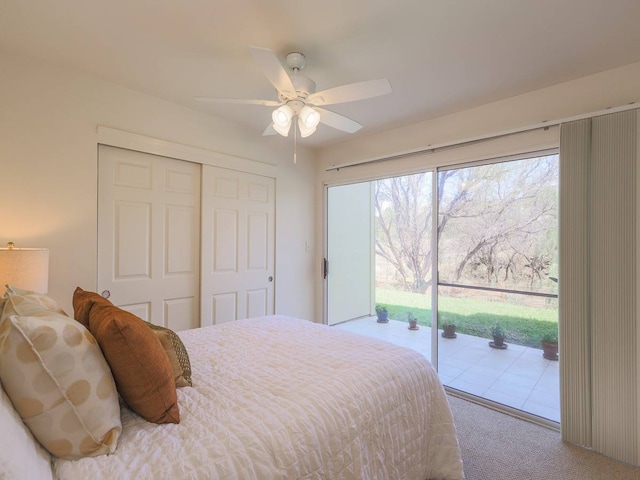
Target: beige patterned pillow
58,381
25,302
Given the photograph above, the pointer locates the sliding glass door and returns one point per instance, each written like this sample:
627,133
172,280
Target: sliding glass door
497,262
495,245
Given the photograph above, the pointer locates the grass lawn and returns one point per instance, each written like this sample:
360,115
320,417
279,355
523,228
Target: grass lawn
523,325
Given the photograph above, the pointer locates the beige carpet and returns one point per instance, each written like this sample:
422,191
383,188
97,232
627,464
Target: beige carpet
496,446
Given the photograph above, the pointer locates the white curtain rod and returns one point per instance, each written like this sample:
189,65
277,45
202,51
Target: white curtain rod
483,138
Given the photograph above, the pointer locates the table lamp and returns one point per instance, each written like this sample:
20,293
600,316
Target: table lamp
26,268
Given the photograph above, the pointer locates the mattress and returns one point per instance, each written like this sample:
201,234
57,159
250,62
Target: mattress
282,398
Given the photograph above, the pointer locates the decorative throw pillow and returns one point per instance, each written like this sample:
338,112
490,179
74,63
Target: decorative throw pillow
177,353
27,303
175,349
82,302
54,373
139,364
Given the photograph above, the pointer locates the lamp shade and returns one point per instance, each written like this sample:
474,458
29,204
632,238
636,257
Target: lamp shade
282,119
309,117
26,268
308,120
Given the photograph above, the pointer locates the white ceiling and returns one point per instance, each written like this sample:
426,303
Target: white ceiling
440,56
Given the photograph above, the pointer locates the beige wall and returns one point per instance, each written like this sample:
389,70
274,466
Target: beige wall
48,155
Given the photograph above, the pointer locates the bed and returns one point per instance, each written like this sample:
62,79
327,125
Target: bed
282,398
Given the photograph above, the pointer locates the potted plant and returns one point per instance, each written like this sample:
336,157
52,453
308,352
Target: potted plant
413,321
549,343
498,337
382,313
449,330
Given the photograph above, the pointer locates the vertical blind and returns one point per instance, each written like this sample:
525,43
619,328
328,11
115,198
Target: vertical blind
598,284
574,285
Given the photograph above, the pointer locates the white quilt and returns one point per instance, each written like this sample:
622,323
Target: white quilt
282,398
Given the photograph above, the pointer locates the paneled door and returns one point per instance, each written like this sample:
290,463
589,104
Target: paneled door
238,211
149,235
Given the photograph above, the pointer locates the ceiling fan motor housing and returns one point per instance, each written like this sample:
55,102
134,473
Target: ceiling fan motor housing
304,85
296,61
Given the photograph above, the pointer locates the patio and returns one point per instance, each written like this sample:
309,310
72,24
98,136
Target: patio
518,376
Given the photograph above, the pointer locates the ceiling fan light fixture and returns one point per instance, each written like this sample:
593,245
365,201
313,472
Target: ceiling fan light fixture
282,119
284,131
304,130
310,117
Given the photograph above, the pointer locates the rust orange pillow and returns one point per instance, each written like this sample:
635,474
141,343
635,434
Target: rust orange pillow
140,366
170,341
82,302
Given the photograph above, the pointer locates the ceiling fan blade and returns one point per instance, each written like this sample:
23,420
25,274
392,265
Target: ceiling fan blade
266,103
351,92
338,121
269,131
274,71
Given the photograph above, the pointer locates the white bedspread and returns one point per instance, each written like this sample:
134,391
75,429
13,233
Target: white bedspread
282,398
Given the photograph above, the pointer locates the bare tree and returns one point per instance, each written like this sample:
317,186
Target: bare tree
483,212
517,212
403,214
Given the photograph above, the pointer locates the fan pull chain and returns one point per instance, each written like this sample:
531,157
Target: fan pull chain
295,143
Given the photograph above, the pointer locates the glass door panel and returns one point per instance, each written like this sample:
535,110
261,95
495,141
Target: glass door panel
403,260
497,262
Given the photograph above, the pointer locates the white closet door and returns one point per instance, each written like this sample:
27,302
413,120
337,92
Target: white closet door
238,211
149,235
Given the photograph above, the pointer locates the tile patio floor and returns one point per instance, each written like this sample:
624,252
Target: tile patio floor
518,377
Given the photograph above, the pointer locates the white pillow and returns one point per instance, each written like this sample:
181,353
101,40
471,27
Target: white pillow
54,372
21,456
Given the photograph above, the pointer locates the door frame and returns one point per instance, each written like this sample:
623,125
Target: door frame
164,148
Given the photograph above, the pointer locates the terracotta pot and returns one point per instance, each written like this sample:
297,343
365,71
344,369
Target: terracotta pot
449,331
550,350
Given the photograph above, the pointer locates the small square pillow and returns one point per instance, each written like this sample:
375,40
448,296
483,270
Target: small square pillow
58,381
140,366
177,353
171,342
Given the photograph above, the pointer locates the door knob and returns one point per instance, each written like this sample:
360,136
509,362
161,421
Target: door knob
270,279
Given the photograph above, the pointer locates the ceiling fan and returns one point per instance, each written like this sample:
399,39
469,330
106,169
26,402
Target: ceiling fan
297,96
